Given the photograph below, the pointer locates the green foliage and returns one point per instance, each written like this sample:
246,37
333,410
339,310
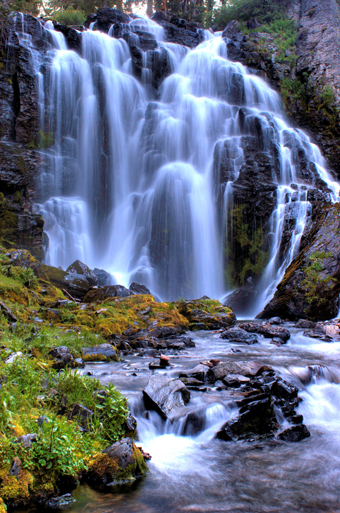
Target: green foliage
265,11
327,95
313,283
31,389
244,248
113,413
57,448
70,17
42,140
24,275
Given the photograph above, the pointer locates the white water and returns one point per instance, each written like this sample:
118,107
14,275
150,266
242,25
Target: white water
130,184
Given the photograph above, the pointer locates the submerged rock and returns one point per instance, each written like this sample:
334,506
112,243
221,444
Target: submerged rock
165,395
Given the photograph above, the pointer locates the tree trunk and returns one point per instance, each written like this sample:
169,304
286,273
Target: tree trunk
149,8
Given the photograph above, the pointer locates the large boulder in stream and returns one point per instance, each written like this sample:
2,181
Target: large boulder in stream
165,395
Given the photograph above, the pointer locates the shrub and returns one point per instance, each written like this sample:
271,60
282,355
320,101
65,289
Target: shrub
70,17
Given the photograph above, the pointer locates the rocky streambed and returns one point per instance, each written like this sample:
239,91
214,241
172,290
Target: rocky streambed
242,420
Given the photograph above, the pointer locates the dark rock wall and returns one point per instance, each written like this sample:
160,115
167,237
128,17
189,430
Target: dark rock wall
19,160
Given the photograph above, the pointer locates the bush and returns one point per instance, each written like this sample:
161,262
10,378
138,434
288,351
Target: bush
70,17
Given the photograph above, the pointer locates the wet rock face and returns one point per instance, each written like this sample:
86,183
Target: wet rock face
19,127
310,286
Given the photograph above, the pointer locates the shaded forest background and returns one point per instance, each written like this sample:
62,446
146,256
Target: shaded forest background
208,12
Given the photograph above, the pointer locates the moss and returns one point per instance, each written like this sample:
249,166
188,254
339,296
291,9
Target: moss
16,489
104,469
3,507
244,247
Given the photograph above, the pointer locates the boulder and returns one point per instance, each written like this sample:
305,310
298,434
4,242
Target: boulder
201,315
62,502
105,17
63,358
164,395
82,415
198,372
241,300
100,353
305,323
238,335
75,284
294,433
231,29
137,288
83,270
120,461
275,321
102,293
103,278
266,330
257,418
248,369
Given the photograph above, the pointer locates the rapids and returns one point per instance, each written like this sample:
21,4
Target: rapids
195,472
131,182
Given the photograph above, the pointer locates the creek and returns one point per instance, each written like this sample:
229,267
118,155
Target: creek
197,473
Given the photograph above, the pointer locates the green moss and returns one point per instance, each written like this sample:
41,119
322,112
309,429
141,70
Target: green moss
244,253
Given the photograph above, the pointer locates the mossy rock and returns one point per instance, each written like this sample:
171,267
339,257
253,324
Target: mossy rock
206,312
16,483
121,461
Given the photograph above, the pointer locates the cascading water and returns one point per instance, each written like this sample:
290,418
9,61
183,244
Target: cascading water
151,185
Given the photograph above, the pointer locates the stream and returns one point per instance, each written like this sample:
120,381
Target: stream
198,473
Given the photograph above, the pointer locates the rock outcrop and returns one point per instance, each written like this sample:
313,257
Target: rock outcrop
20,225
311,284
307,73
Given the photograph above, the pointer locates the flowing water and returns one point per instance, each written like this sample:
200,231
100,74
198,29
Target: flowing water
193,472
132,179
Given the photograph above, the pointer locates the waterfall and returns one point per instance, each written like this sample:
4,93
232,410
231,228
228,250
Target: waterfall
191,189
